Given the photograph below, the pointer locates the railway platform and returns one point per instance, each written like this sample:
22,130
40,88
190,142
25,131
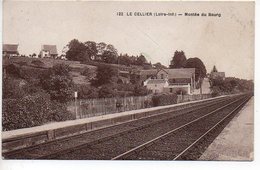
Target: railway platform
236,141
20,138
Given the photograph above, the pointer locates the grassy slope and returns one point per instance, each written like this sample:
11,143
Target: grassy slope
75,66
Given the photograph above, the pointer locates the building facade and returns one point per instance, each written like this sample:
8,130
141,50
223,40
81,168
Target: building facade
48,51
156,85
10,50
170,80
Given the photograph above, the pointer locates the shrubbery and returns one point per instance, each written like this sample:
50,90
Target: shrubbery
13,70
106,91
140,91
11,88
230,85
29,73
164,99
88,73
86,92
32,110
38,63
58,83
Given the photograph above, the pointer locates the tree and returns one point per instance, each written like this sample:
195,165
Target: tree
141,60
108,53
109,57
58,83
214,69
105,75
159,65
91,49
178,60
77,51
101,48
200,69
230,85
124,59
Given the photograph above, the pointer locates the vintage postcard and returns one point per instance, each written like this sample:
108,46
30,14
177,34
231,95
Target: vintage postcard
128,80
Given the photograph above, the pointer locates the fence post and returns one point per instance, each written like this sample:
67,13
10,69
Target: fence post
76,95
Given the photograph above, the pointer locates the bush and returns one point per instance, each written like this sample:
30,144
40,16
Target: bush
58,112
141,91
164,99
12,89
86,92
215,91
58,83
32,110
13,70
106,91
22,63
88,73
38,63
181,91
29,73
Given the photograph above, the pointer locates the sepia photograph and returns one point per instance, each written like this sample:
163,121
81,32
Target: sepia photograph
128,80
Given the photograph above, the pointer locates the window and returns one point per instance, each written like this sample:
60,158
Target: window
171,90
161,76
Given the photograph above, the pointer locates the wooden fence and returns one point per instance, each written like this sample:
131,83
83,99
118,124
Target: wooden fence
97,107
187,98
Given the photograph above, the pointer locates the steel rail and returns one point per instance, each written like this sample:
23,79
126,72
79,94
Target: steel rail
144,145
68,150
208,131
67,138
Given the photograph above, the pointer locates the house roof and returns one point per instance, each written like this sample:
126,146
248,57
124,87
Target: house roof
51,48
156,81
10,48
179,73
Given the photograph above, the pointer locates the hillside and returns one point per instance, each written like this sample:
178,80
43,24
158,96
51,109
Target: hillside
35,65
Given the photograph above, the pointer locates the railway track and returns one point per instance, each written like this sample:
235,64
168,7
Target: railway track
44,149
185,142
110,142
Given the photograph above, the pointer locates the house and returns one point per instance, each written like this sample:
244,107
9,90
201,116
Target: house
49,51
146,74
179,77
170,80
10,50
178,89
156,85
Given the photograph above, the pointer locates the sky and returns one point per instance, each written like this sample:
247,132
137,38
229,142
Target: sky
226,41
